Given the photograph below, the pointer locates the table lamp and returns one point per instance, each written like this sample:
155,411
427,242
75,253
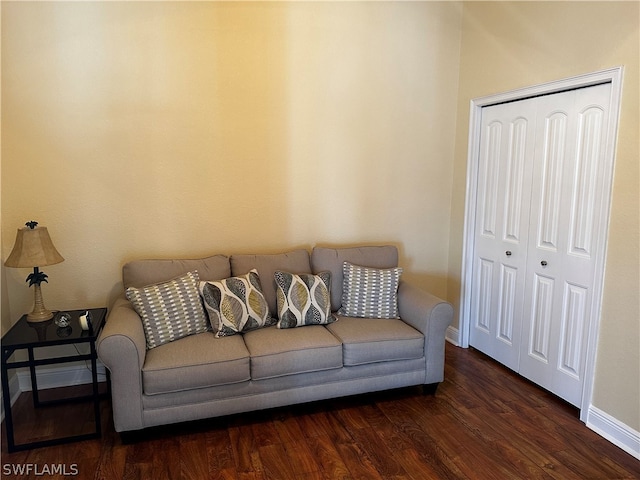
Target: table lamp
34,248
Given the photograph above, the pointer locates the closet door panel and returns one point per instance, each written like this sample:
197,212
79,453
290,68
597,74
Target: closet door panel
567,185
501,230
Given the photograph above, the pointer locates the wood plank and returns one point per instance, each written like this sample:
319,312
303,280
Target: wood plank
244,449
382,456
357,462
301,458
275,460
329,458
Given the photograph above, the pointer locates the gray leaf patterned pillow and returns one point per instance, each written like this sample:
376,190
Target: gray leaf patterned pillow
303,299
169,310
236,304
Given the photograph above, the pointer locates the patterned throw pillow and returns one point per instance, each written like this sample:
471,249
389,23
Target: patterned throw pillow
236,304
369,292
169,310
303,299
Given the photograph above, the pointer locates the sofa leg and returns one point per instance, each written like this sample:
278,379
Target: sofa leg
430,389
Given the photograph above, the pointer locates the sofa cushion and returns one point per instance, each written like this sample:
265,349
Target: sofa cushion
236,304
332,259
303,299
296,261
370,340
195,362
276,352
140,273
370,292
169,310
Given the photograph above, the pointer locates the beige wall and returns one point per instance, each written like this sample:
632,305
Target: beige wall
169,129
510,45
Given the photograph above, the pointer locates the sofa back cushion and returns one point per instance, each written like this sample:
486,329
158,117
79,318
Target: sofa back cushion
332,259
296,261
140,273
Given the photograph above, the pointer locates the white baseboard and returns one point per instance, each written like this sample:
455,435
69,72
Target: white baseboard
14,389
453,336
60,376
615,431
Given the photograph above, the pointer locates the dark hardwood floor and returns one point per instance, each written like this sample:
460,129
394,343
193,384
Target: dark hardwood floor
483,423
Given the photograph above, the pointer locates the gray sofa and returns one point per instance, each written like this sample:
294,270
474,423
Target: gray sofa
202,376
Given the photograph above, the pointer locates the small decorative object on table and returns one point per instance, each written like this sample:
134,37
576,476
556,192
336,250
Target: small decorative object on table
85,321
62,320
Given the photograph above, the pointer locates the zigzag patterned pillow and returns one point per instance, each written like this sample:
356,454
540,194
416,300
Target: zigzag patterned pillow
303,299
169,310
236,304
369,292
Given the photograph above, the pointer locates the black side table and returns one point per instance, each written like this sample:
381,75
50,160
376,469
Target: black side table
25,335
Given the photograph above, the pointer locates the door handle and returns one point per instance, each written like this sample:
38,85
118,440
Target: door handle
508,253
543,263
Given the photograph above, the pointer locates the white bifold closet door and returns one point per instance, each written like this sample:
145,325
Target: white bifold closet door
536,228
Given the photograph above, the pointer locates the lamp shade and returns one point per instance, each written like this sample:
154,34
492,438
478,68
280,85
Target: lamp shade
33,248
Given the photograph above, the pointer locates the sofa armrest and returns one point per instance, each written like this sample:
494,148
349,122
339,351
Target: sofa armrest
122,349
431,316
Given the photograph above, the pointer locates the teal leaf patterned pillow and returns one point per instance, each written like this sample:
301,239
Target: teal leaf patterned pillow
369,292
169,310
236,304
303,299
